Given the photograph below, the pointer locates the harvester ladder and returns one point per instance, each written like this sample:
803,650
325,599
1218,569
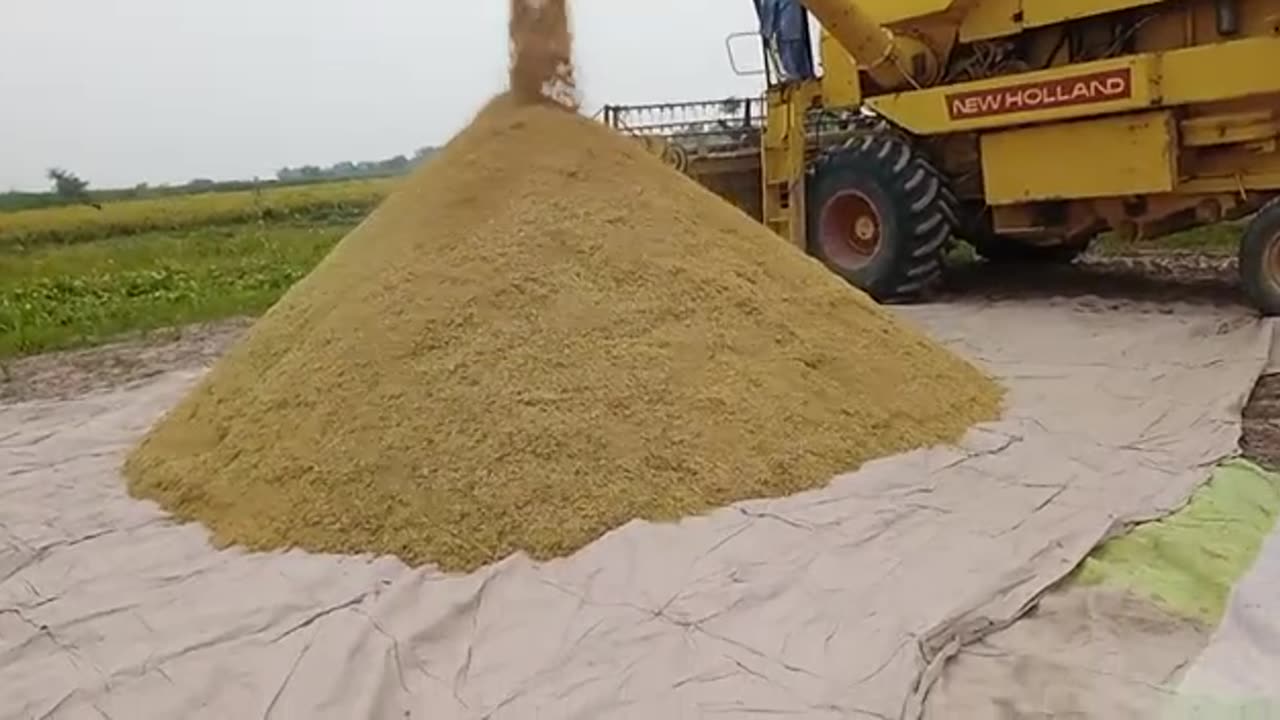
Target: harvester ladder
782,160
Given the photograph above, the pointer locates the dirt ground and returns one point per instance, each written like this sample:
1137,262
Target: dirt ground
63,375
1106,282
1096,283
1261,441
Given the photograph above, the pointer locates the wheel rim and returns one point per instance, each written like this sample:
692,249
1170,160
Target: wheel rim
850,230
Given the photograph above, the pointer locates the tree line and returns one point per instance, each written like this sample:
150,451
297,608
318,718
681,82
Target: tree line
68,188
347,170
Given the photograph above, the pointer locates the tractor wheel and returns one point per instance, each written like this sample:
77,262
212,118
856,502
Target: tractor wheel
996,249
1260,259
879,216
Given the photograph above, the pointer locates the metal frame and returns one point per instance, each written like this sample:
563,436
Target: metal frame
730,126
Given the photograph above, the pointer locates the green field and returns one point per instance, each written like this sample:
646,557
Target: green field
71,296
77,276
323,202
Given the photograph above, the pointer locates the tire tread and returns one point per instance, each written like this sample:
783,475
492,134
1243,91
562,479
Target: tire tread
925,205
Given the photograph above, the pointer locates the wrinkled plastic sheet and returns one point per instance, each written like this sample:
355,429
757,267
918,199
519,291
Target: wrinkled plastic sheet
841,602
1113,642
1083,653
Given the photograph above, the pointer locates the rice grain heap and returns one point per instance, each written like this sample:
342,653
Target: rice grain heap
544,334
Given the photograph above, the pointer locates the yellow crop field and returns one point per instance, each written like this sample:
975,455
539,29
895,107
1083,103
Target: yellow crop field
347,199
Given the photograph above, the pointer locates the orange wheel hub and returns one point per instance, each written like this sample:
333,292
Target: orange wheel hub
850,229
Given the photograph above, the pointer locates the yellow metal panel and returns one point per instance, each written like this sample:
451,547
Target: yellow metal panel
782,158
1037,13
1221,71
1229,129
890,11
840,83
1074,91
1115,155
1238,184
997,18
1175,77
992,18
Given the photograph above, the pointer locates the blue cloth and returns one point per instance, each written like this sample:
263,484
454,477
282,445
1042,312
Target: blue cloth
785,26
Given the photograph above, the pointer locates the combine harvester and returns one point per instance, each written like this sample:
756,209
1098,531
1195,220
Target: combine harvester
1025,128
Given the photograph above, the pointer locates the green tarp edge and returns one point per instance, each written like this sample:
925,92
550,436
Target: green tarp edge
1188,562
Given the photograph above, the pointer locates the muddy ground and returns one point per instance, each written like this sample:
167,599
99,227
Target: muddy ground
1106,282
1098,283
62,375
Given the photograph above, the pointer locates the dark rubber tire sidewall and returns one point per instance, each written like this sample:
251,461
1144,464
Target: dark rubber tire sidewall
876,278
1260,235
912,201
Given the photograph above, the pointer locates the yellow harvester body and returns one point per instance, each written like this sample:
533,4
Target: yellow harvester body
1043,122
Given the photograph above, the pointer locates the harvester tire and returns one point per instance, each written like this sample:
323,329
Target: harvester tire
880,215
1260,259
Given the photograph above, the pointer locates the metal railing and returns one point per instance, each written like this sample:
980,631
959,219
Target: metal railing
705,127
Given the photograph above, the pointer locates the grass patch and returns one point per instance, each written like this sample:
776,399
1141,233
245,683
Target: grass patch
1221,240
1188,562
62,297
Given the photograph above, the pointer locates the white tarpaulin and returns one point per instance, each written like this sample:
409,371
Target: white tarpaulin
841,602
1082,653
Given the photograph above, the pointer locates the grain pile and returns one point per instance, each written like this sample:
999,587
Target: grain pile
545,334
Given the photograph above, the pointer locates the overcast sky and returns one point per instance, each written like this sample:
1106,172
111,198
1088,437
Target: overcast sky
127,91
